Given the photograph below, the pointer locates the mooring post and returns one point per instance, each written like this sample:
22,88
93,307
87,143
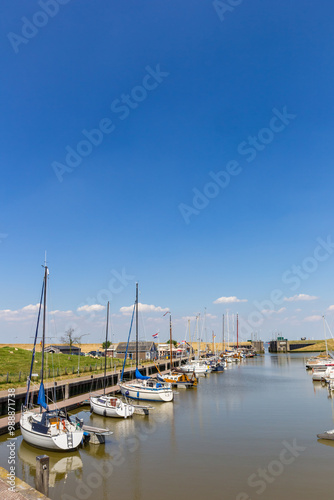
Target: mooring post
42,474
67,390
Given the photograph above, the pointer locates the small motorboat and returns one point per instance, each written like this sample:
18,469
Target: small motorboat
326,435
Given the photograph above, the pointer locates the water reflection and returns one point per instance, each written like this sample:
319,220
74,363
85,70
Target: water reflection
59,466
217,435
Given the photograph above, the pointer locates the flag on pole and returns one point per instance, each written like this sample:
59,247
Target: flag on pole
156,335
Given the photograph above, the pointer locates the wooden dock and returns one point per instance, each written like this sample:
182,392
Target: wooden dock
23,491
71,403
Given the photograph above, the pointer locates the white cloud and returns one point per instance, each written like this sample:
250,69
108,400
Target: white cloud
298,310
185,318
330,308
301,296
155,320
228,300
30,308
91,308
311,319
61,313
272,311
9,315
211,316
144,308
20,314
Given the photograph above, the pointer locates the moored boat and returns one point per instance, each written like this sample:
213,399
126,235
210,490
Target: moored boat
48,429
142,387
109,406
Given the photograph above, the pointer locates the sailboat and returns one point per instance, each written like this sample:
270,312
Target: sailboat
176,377
142,387
109,406
198,367
49,429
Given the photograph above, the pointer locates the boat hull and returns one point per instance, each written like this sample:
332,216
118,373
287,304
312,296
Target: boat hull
135,391
55,439
57,443
326,435
121,410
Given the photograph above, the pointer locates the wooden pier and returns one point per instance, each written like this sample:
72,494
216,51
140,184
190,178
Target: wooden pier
23,491
75,392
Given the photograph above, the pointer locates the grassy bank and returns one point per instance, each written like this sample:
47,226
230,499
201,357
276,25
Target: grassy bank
318,346
15,366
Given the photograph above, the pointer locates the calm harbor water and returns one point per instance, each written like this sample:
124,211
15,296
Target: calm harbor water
247,433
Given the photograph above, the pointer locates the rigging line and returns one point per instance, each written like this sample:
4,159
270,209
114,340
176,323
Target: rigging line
328,328
34,348
126,352
142,326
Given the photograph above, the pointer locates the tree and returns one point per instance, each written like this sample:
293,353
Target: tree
174,342
104,344
70,339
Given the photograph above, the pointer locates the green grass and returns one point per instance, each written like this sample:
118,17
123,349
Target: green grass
318,346
15,366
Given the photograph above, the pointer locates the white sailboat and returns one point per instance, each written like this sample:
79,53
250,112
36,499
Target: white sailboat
142,387
109,406
199,367
177,378
52,430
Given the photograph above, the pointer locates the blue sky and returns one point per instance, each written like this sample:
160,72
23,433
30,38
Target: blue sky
182,91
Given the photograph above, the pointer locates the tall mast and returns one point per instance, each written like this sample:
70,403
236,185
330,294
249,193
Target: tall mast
323,320
198,337
44,320
223,332
190,344
105,352
205,337
228,330
136,325
237,330
170,341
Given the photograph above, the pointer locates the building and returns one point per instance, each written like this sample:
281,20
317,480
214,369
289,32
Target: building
183,349
111,352
164,351
147,351
62,349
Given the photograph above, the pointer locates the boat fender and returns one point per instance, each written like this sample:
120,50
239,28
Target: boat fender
104,413
64,425
91,409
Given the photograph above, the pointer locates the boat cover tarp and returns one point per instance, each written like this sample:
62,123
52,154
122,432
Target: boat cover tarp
139,376
41,397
